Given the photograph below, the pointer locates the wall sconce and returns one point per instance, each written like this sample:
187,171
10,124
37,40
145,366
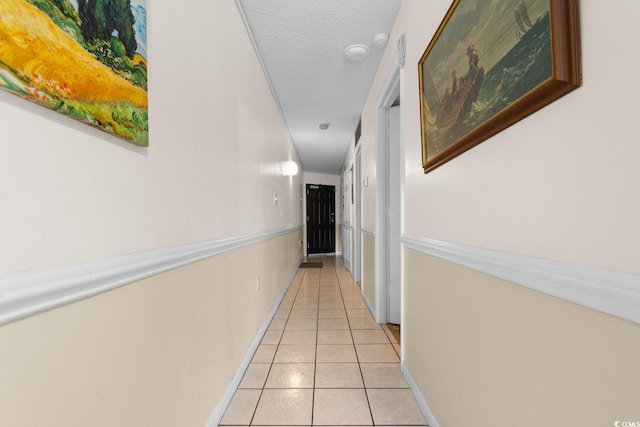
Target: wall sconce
290,168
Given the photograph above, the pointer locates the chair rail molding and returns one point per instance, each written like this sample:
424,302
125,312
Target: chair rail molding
28,293
368,232
611,292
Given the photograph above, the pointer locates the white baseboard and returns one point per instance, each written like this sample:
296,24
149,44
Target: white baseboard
370,306
422,402
611,292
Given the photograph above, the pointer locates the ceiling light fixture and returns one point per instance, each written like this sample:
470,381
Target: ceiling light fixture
324,126
380,40
356,52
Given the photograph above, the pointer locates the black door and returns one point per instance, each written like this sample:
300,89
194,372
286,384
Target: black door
321,228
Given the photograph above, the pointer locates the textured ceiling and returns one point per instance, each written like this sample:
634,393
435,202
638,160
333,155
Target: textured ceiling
301,44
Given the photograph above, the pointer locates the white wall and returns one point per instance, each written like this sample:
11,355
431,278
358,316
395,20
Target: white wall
368,159
70,193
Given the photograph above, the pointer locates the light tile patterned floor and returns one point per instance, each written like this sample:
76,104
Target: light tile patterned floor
324,362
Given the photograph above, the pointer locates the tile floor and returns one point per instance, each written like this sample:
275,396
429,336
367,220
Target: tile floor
324,361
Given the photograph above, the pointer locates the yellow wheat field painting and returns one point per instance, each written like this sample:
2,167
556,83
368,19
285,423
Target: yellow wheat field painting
83,58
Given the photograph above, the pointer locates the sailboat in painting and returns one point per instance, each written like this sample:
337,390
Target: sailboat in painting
523,21
455,104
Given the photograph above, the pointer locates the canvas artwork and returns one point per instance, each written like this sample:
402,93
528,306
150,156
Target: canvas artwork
86,59
491,63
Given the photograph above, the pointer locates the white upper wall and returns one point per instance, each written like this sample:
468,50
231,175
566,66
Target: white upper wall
561,184
70,193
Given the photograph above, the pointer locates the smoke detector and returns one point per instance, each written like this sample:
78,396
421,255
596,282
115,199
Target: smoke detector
356,52
380,40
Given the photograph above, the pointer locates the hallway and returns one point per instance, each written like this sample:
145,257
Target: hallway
324,361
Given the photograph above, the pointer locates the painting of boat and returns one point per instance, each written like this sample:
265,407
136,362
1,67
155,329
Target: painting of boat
476,77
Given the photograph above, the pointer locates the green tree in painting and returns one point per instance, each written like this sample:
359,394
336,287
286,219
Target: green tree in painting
124,22
104,19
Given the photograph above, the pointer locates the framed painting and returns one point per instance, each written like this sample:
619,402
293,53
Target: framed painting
490,64
86,59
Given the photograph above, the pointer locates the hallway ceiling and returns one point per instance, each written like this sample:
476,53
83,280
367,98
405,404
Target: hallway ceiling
301,44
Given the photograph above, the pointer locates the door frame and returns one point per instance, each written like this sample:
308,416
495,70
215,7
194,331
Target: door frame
390,92
308,186
347,253
357,230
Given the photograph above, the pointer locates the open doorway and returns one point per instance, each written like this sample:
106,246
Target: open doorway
392,219
357,239
389,203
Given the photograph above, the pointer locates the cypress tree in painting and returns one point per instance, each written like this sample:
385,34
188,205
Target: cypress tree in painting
94,21
104,19
123,22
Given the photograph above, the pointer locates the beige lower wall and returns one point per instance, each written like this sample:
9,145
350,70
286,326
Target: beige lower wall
489,353
369,268
159,352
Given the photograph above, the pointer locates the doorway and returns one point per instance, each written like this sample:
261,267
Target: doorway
357,229
321,230
393,218
388,248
